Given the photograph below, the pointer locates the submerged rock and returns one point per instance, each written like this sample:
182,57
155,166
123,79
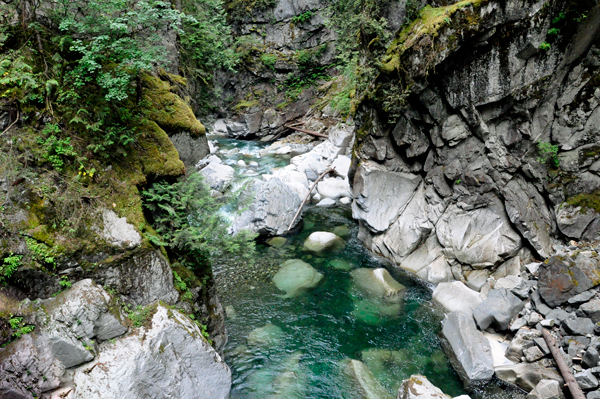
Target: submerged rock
341,264
296,276
419,387
363,381
277,242
268,335
321,241
378,283
290,384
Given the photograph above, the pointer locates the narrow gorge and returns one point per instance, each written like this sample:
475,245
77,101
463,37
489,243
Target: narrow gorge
361,199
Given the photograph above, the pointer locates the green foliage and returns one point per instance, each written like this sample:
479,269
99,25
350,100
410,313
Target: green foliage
561,16
553,31
18,82
65,282
545,46
57,150
190,225
301,18
40,251
16,323
182,287
141,316
548,154
269,60
9,265
412,9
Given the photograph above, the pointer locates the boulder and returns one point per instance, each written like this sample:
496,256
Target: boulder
476,279
547,389
171,357
118,232
341,264
591,357
563,277
498,309
469,351
218,176
586,380
456,296
526,376
523,340
363,381
378,283
334,188
295,277
592,310
268,335
454,130
342,165
578,326
323,241
419,387
326,203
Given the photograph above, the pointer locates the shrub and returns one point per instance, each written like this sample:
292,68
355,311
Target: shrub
545,46
9,265
548,154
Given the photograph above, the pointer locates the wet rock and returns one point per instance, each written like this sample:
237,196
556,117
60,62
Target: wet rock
341,231
527,376
218,176
341,264
334,188
592,310
455,296
498,309
547,389
578,326
290,383
170,357
470,351
277,242
364,382
295,277
323,241
378,283
586,380
419,387
268,336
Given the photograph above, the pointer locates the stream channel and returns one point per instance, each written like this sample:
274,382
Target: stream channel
308,340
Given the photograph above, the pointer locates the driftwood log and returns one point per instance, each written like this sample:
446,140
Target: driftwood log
576,391
316,134
322,175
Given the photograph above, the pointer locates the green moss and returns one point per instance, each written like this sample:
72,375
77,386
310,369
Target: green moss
168,109
586,201
245,104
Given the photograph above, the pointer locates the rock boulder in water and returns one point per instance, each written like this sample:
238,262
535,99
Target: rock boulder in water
322,241
364,382
527,376
419,387
268,335
378,283
296,276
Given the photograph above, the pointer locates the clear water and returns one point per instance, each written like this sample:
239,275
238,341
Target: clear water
319,330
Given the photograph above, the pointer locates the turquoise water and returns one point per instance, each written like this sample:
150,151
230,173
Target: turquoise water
317,332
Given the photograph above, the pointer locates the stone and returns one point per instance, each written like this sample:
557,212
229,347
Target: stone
363,381
118,231
295,180
171,357
560,279
526,376
533,354
241,163
477,279
592,310
342,231
342,165
533,267
499,346
593,395
454,130
481,237
419,387
326,203
190,149
469,350
524,339
455,296
508,283
511,267
586,380
296,276
546,389
538,303
345,200
378,283
575,223
578,326
340,135
498,309
591,357
208,160
277,242
218,176
581,298
323,241
268,335
558,314
341,264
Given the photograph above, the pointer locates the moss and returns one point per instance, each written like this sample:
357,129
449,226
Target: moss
168,109
586,201
245,104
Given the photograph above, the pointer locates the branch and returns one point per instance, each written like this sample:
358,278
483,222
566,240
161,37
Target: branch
11,125
576,391
316,134
327,171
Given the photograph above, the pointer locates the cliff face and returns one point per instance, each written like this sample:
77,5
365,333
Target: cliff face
478,141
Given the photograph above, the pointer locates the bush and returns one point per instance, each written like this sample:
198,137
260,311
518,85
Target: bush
548,154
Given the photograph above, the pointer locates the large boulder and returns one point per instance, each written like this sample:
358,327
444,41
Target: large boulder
334,188
268,335
456,296
323,241
296,276
547,389
469,351
170,356
218,176
527,375
498,309
363,381
419,387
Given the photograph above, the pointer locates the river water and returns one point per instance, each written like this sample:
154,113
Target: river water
303,344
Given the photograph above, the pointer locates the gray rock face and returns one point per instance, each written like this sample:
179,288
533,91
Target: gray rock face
579,326
592,310
586,380
272,209
218,176
191,150
562,278
546,389
172,358
498,309
526,376
470,351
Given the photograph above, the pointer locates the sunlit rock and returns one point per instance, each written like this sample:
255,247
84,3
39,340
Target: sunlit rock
295,277
268,335
363,381
321,241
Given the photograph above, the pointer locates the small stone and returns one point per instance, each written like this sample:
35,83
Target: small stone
518,324
579,326
558,314
241,163
541,343
277,242
593,395
533,267
548,323
326,203
586,380
534,318
591,357
532,354
546,389
581,298
592,310
321,241
345,200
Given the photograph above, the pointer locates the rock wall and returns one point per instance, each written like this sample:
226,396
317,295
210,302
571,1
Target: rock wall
477,143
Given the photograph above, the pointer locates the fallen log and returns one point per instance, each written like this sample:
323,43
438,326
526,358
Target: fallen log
316,134
576,391
322,175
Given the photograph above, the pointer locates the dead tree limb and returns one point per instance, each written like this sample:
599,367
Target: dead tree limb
11,125
327,171
316,134
576,391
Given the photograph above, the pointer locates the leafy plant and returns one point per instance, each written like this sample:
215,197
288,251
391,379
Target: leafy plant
269,60
65,282
553,31
9,265
548,154
545,46
189,224
182,287
16,323
140,316
556,20
40,251
301,18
